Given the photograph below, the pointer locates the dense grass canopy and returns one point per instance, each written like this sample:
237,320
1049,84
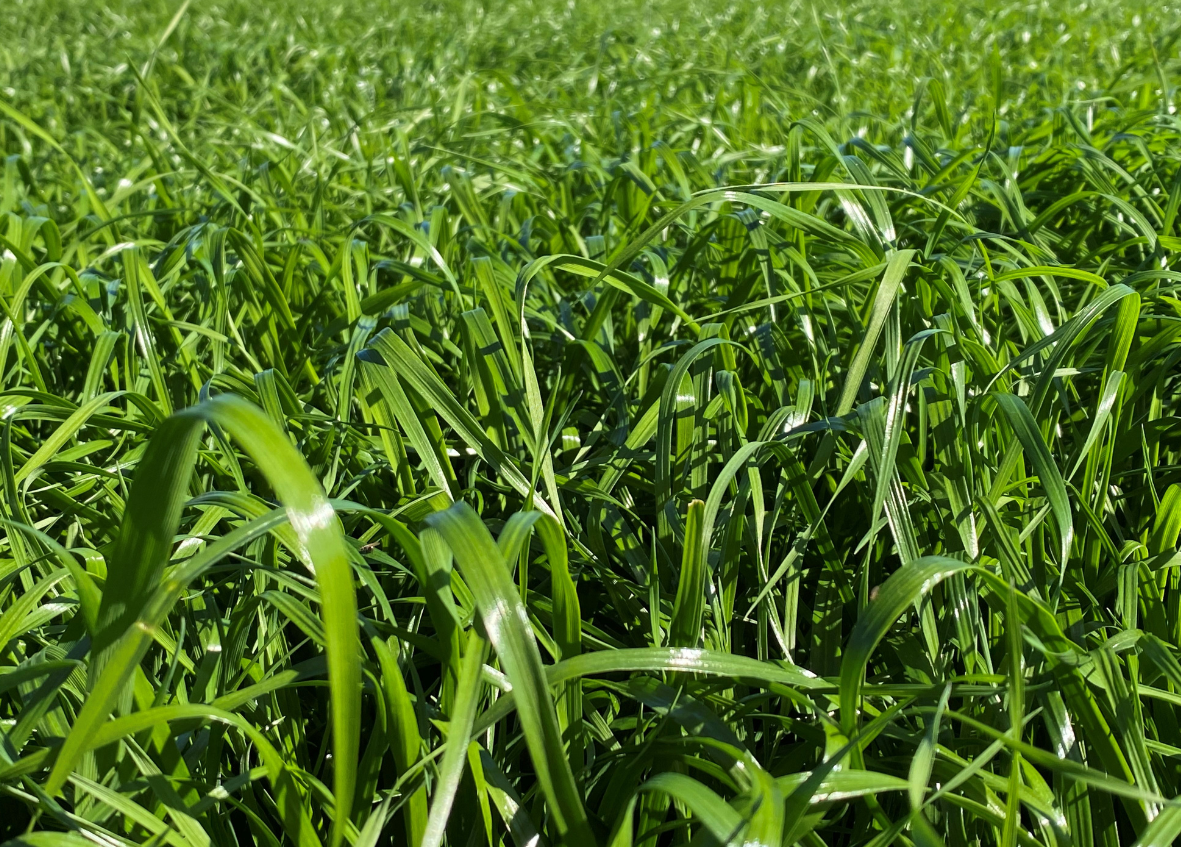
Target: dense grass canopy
589,424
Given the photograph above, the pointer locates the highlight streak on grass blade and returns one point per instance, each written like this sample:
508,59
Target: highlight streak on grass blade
145,541
508,628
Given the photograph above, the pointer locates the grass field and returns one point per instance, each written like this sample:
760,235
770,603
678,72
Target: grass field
590,424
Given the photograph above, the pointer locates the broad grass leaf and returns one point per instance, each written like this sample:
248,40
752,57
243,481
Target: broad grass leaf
507,624
904,587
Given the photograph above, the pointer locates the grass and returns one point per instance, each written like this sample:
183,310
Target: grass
582,424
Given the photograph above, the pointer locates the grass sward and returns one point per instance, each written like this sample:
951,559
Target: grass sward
587,425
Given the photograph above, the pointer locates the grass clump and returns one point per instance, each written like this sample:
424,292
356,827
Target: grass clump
587,425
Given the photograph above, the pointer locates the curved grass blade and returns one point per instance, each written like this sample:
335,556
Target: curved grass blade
904,587
507,624
144,545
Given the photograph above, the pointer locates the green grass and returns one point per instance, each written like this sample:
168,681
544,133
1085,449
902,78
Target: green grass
586,424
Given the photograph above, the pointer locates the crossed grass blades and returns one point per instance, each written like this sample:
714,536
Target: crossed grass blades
588,425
